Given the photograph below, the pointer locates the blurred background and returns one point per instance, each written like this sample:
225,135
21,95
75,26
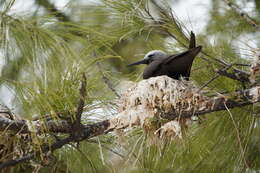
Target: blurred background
45,46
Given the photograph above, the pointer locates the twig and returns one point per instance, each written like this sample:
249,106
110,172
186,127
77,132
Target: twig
215,77
107,148
105,79
16,161
82,91
244,15
208,82
202,67
256,115
83,154
51,8
238,75
240,64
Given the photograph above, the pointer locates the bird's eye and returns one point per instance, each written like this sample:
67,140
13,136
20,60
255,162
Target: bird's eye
150,55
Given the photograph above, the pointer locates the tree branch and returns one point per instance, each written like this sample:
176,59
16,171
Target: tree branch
51,8
213,78
237,74
88,132
15,126
107,81
244,15
82,91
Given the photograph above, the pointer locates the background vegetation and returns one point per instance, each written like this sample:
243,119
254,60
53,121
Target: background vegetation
45,51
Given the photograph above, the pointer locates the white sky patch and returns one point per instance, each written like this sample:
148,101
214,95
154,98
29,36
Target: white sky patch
248,45
60,4
193,13
6,96
2,61
248,7
22,7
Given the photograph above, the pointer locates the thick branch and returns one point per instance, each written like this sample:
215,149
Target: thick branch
88,132
16,126
242,98
22,126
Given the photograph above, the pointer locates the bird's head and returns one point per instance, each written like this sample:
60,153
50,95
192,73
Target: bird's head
150,57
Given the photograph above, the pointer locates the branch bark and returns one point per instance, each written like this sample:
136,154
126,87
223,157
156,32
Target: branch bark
82,92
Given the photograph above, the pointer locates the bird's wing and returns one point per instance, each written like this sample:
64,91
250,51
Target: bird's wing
182,62
153,69
192,40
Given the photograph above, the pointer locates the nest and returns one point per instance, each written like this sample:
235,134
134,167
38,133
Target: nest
158,98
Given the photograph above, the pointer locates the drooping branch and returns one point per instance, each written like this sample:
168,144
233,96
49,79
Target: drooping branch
244,15
104,78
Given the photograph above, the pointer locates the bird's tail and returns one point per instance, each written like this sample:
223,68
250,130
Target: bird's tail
192,47
192,40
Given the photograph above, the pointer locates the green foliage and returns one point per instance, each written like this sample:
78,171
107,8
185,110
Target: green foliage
45,57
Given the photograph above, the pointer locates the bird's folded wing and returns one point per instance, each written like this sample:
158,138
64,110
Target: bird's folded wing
152,69
183,61
184,57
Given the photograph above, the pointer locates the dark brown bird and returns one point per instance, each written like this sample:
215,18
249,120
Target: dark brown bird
174,66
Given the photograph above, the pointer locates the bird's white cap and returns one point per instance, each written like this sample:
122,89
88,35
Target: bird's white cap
155,54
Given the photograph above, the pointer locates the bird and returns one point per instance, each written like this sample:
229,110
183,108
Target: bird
175,66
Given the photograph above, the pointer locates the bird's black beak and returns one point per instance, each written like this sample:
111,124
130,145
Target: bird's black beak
143,61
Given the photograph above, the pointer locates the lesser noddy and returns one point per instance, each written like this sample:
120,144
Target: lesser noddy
174,66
